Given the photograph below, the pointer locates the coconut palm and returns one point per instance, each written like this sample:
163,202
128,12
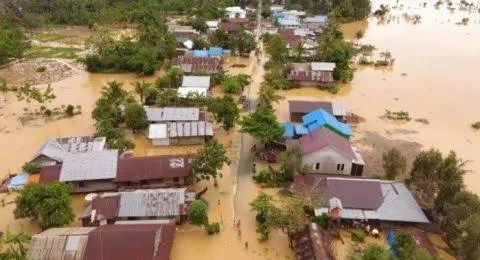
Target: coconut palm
387,56
299,50
141,88
326,46
267,94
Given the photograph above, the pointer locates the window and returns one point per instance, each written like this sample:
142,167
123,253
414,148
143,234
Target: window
338,167
176,179
343,167
81,184
317,166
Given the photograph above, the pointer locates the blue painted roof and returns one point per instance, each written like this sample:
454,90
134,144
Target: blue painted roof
227,52
215,51
320,117
288,22
200,53
301,130
288,130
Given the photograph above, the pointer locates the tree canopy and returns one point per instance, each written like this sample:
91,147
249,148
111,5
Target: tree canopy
13,41
225,111
50,204
135,116
347,10
198,213
208,161
262,124
394,163
14,245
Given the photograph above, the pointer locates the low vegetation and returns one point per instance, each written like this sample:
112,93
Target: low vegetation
235,84
198,215
397,115
476,125
394,163
52,52
262,124
14,245
13,41
31,167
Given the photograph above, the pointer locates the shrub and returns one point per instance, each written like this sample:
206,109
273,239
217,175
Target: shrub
47,113
476,125
358,237
41,69
69,111
213,228
31,167
331,88
322,221
263,176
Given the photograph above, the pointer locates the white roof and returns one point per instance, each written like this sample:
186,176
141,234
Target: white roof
188,44
96,165
212,24
196,82
235,9
323,66
288,22
339,109
157,131
184,91
161,114
189,129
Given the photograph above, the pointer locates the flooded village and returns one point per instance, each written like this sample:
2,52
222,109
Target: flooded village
267,130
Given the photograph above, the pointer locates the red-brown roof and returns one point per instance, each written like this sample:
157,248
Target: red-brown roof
125,242
106,207
230,27
322,138
288,37
198,64
153,167
299,106
50,173
314,76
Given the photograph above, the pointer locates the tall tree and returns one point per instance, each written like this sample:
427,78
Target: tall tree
276,49
394,163
243,42
142,88
225,111
208,161
450,175
267,95
292,161
424,172
135,117
359,35
262,124
13,41
50,204
198,213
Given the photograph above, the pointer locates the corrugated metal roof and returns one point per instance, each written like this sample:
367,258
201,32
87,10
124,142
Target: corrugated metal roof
288,130
300,106
96,165
126,242
157,131
323,66
322,138
189,129
339,109
164,114
196,81
153,167
185,91
316,19
51,149
320,117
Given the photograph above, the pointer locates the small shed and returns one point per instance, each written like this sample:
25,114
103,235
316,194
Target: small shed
180,133
196,82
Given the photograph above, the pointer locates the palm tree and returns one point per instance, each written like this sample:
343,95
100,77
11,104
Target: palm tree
141,88
326,46
267,95
359,35
299,50
387,56
114,92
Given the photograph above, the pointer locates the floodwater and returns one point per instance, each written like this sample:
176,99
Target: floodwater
433,77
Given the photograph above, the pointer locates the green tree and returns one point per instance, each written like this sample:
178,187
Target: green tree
262,124
142,88
450,179
267,94
31,167
135,117
292,162
299,50
243,42
14,245
13,41
221,38
198,213
208,161
394,163
359,35
50,204
199,24
225,111
372,251
424,172
276,49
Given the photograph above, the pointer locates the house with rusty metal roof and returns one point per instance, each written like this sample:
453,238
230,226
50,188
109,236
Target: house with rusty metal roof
153,204
326,152
312,74
299,108
312,243
109,242
387,202
191,64
112,173
53,151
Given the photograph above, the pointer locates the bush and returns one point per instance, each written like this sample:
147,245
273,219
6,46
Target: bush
263,176
476,125
358,237
41,69
69,111
213,228
322,220
331,88
31,167
47,113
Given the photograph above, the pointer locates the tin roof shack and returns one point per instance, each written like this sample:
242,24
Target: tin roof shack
233,25
312,74
312,244
180,133
59,244
88,172
236,12
183,33
315,23
326,152
388,202
321,118
299,108
196,82
191,64
156,204
173,114
154,171
53,151
292,37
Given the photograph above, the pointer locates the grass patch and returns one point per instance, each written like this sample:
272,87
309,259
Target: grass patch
52,52
51,37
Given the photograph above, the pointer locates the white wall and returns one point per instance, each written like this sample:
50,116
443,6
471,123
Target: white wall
328,159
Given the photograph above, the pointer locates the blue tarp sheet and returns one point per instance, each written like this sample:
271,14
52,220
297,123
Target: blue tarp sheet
200,53
301,130
288,130
392,242
18,181
215,52
319,118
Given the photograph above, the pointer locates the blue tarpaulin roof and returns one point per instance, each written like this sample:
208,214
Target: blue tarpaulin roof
215,51
227,52
288,130
392,242
301,130
18,181
319,118
200,53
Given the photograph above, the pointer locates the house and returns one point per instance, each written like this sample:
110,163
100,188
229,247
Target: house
236,12
212,25
312,74
192,64
109,242
321,118
326,152
160,171
212,52
292,37
316,22
136,172
289,23
196,82
312,243
53,151
180,133
156,204
299,108
183,33
173,114
233,25
388,203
